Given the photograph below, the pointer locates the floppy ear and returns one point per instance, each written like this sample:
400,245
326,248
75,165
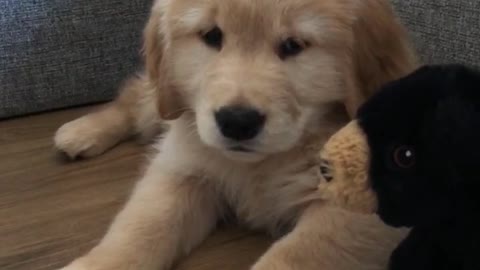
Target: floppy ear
168,99
381,52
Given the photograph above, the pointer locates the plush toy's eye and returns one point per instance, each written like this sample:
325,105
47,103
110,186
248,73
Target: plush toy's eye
325,170
404,157
213,38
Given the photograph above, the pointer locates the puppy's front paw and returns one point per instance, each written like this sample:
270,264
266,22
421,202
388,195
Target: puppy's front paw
84,137
271,266
77,265
85,263
74,267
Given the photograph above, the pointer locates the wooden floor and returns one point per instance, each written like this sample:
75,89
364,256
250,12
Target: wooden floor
52,211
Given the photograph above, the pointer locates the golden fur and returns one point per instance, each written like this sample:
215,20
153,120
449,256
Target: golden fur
353,47
345,160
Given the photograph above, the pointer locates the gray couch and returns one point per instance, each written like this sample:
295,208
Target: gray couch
62,53
444,31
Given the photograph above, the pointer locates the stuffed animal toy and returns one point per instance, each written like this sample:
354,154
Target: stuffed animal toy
412,155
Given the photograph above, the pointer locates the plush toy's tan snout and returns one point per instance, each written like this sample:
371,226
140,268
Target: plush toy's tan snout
345,162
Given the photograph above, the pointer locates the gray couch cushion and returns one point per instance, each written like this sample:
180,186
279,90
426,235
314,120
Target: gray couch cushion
56,54
444,31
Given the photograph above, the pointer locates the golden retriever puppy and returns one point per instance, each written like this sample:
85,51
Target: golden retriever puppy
246,87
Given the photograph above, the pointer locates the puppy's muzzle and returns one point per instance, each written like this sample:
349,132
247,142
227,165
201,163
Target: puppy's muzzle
239,123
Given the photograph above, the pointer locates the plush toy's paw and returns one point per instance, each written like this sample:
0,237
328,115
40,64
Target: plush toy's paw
418,252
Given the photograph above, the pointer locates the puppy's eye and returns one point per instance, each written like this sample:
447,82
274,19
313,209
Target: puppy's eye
290,47
404,157
213,38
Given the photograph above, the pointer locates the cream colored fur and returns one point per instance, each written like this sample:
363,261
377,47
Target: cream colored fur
351,47
345,158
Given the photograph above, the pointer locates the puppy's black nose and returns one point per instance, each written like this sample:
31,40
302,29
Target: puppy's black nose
239,123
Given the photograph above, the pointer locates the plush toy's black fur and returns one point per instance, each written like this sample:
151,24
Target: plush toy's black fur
424,135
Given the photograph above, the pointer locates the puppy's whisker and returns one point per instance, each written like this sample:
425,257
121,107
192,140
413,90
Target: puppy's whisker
178,110
191,133
191,128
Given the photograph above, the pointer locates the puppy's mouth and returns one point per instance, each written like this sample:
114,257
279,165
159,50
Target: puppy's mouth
240,148
244,153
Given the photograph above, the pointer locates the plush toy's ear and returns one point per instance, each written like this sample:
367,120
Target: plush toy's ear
381,52
158,70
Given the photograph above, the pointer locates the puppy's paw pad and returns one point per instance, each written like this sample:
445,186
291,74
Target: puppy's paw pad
80,138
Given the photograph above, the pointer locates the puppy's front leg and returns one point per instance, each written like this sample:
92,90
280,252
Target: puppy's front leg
328,238
166,217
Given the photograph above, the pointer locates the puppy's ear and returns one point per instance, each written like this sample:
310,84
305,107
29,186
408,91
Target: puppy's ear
381,52
169,102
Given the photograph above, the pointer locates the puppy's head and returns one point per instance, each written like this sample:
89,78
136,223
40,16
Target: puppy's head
258,75
422,134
